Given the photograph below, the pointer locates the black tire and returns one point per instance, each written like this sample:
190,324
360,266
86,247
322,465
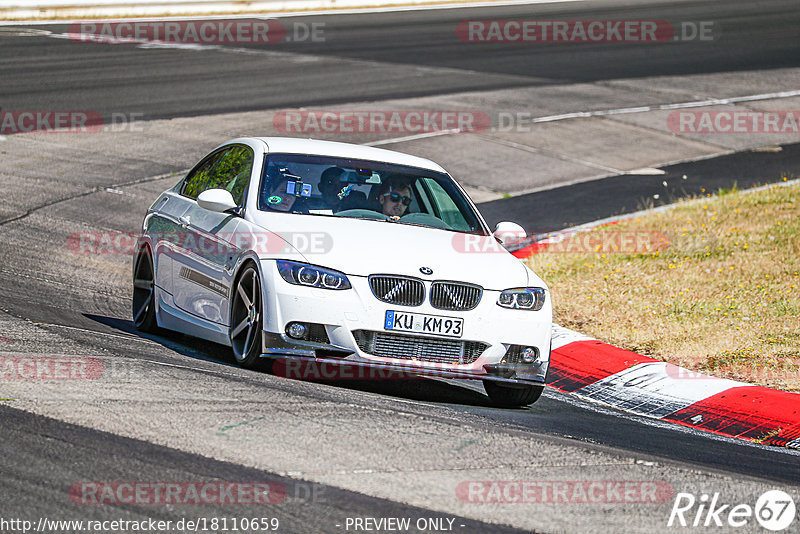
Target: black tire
247,318
143,309
512,396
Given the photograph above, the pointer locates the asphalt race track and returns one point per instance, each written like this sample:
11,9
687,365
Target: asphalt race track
386,56
170,408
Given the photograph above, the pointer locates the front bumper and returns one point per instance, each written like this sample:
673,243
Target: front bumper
489,332
331,362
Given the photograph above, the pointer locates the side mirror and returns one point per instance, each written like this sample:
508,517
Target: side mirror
508,233
219,200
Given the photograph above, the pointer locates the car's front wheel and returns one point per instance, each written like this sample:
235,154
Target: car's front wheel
246,318
512,396
144,298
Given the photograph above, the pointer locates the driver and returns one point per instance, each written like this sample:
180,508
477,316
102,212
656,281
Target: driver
394,197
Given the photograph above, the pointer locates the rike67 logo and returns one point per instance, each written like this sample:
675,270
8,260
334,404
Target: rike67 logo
774,510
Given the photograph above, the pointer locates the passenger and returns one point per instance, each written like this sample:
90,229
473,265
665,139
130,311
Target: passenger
353,200
330,187
337,195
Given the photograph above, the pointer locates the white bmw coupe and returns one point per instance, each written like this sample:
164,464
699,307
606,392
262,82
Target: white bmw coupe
328,252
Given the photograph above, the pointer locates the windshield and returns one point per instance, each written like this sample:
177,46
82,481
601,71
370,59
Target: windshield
339,187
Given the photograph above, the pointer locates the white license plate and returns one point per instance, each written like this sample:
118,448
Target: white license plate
423,324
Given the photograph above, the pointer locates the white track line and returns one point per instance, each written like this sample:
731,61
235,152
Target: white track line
411,137
126,337
662,107
617,111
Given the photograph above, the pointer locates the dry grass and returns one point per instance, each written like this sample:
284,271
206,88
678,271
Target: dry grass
716,291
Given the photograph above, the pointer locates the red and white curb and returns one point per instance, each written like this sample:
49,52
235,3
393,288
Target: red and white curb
645,386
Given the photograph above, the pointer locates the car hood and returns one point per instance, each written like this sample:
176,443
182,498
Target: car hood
364,247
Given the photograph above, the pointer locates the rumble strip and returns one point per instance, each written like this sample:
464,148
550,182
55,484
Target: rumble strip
649,387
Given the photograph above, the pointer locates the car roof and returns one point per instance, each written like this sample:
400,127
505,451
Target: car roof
292,145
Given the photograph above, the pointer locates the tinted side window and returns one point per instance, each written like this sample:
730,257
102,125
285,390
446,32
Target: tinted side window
198,180
233,172
227,169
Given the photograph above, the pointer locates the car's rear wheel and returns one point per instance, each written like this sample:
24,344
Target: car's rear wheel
247,318
512,396
144,298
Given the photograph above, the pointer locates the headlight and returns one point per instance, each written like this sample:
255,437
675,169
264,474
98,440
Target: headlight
303,274
522,298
